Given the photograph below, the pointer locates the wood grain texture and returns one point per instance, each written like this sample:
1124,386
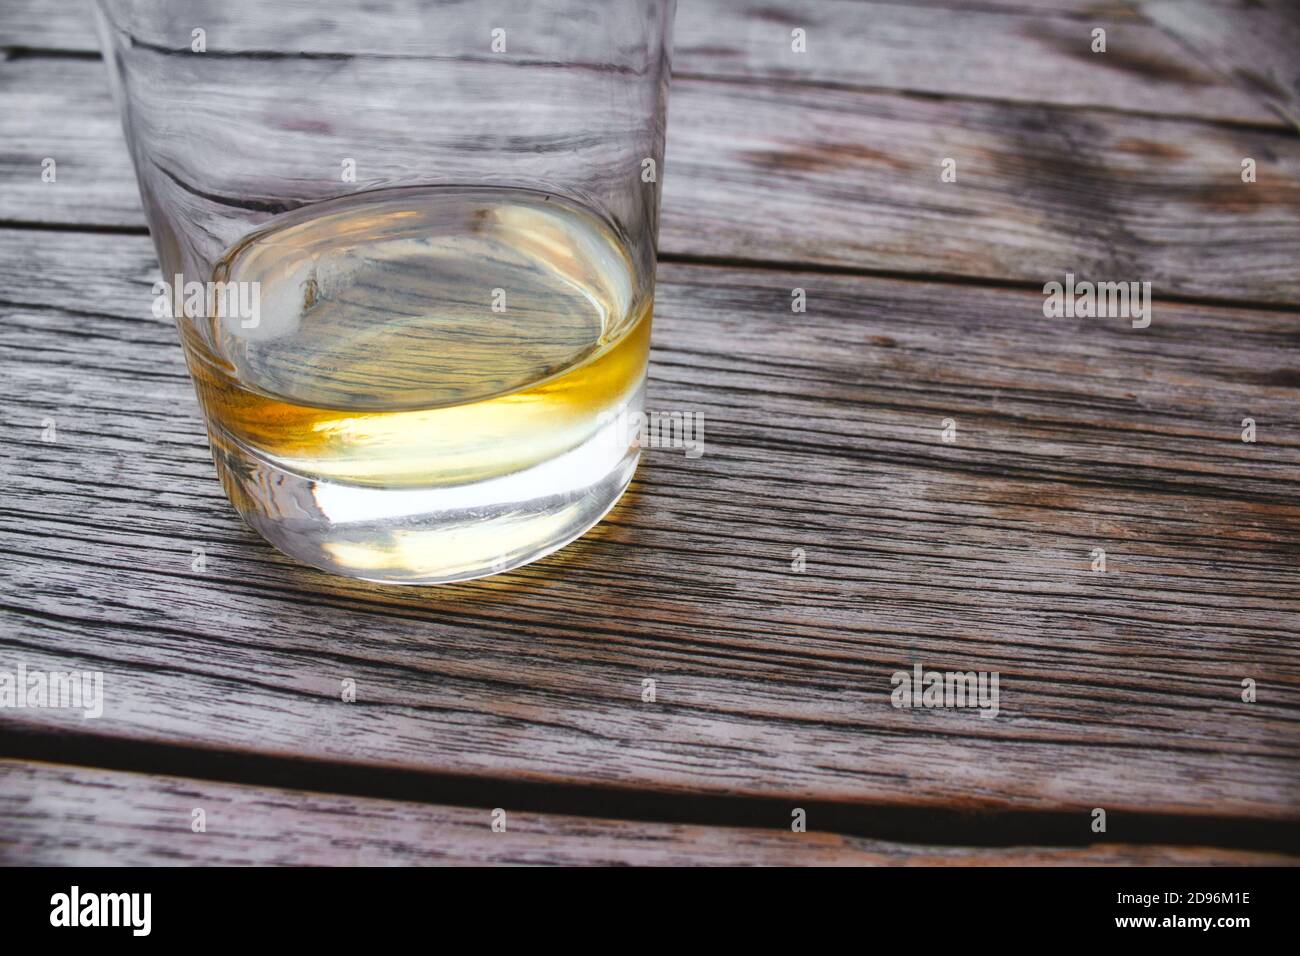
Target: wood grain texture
1120,690
1254,42
944,48
962,51
53,815
839,178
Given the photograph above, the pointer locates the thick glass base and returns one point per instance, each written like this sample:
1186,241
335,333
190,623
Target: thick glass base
435,535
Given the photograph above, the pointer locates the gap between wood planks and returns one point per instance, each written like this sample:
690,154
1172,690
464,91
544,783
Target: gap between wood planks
11,54
776,265
764,265
14,54
942,824
1254,126
293,827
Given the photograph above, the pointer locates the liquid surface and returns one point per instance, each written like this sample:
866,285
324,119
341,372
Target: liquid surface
423,337
417,298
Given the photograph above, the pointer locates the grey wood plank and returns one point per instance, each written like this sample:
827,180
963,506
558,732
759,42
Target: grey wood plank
1120,690
46,25
838,178
1254,42
1020,51
56,815
1016,55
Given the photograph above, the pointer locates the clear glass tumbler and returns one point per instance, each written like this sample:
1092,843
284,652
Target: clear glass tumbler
410,248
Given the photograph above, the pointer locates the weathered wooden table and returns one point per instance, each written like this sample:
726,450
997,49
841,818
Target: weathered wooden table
831,535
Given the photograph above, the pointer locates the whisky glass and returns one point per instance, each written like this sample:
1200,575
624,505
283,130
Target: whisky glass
410,249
